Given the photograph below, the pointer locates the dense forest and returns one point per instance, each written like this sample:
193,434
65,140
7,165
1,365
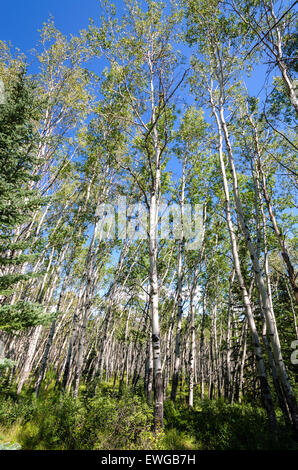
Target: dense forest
148,176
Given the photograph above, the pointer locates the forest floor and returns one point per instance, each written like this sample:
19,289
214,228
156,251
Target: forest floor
108,422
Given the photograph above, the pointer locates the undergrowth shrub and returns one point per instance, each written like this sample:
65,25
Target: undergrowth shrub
57,421
118,423
106,421
217,425
13,409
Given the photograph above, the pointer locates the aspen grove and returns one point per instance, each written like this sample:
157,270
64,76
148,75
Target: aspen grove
148,263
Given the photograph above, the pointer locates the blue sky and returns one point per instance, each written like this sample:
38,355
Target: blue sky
20,20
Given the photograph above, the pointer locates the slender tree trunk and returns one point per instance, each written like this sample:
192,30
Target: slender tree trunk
277,231
269,314
175,378
262,375
28,363
229,347
191,352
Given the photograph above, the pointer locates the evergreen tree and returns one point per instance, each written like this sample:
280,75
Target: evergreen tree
18,199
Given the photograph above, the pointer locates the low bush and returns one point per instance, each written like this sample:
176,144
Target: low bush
58,421
105,421
217,425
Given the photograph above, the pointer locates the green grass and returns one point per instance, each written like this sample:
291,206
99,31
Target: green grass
216,425
105,421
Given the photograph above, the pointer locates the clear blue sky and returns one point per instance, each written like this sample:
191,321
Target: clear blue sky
20,20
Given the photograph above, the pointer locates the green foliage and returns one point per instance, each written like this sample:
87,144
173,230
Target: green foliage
180,440
17,152
13,409
123,423
7,363
18,162
56,421
88,147
22,315
216,425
